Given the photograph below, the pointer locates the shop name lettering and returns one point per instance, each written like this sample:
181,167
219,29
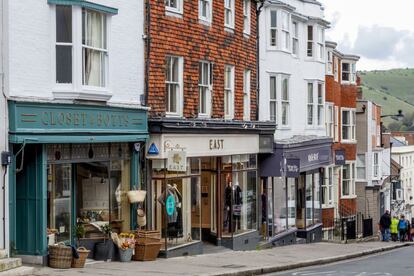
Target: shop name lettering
292,168
313,157
84,119
216,144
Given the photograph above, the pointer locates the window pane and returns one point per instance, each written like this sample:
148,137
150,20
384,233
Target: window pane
310,33
309,199
273,88
63,64
320,93
175,69
273,111
310,92
94,30
273,19
285,90
345,117
93,67
63,24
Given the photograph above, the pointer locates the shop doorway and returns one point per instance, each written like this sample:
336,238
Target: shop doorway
300,202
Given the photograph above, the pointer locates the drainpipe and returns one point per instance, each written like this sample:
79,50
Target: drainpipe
147,37
258,11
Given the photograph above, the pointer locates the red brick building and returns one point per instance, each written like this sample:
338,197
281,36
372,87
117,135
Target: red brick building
339,195
205,140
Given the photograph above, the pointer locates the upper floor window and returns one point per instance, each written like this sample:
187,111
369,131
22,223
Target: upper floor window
329,64
205,10
285,101
310,41
320,43
228,92
174,6
94,48
348,180
348,72
64,44
229,13
285,31
376,164
246,95
361,167
336,124
348,124
273,98
173,85
246,16
205,83
321,103
273,28
310,103
329,119
295,38
327,187
336,68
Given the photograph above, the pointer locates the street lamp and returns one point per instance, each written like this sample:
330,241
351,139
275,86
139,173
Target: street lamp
397,117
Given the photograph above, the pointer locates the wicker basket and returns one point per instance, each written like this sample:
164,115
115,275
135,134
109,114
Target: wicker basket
136,196
147,252
80,262
60,256
144,237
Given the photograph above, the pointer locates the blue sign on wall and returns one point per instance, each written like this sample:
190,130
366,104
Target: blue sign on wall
292,167
340,157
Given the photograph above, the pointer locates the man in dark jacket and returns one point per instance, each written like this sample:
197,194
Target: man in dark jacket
385,223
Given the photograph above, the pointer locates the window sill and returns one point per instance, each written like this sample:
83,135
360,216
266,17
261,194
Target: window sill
203,116
173,13
86,95
228,117
229,29
328,206
246,35
348,142
204,21
349,197
172,115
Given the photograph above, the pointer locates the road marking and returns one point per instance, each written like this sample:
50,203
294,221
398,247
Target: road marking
340,273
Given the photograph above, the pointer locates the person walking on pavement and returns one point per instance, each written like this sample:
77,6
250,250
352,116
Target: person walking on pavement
402,228
394,229
385,223
409,237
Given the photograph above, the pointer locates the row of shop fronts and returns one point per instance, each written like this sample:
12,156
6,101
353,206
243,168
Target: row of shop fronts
218,182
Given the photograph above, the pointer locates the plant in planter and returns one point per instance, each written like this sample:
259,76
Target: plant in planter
126,245
80,233
103,250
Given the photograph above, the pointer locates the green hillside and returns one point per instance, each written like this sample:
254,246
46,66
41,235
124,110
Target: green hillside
396,82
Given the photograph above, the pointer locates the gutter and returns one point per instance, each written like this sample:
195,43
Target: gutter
258,11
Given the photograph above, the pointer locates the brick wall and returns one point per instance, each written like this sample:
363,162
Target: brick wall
187,38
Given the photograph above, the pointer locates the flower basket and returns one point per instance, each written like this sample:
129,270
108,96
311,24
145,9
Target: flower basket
125,255
145,237
60,256
80,262
136,196
147,252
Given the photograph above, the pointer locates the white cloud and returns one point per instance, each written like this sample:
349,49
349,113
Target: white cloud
375,29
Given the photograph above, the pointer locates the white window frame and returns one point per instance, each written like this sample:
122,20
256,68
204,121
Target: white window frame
273,30
272,101
361,165
310,42
376,165
327,187
310,110
351,72
336,124
350,180
320,104
285,102
285,31
351,125
336,68
209,13
246,95
329,63
76,89
229,100
205,86
229,8
246,17
179,99
320,43
174,11
295,38
330,120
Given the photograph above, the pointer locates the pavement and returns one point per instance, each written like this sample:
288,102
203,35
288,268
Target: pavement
390,263
231,263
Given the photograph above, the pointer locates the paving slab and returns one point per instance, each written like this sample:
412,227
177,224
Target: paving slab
233,262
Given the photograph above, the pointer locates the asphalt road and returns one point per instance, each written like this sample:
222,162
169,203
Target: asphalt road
398,262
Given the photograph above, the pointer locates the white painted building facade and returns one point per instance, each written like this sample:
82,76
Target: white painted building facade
292,67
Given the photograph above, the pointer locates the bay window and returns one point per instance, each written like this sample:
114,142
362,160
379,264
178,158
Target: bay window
349,72
173,85
321,103
329,64
285,101
285,31
273,28
94,48
310,104
320,43
295,38
336,68
273,99
228,92
229,13
246,95
205,82
310,41
246,17
348,125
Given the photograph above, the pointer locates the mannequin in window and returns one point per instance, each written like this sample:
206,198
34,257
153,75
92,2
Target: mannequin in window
237,205
227,203
174,221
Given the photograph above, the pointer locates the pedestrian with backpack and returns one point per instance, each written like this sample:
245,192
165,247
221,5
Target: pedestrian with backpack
402,228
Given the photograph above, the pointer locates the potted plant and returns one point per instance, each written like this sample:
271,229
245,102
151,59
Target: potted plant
103,250
126,245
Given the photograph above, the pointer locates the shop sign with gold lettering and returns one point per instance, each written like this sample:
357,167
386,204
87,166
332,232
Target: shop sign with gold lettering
177,161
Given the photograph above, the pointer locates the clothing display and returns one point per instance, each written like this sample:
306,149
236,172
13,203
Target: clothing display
174,216
233,202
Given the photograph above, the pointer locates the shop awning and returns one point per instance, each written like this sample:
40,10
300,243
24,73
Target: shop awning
49,139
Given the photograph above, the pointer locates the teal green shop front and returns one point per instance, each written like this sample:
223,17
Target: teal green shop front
72,166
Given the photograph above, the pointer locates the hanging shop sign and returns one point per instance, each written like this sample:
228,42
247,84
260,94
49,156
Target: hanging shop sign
340,157
292,167
170,205
177,161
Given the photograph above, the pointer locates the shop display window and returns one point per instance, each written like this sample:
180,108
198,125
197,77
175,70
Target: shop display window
309,199
291,198
176,207
317,217
280,215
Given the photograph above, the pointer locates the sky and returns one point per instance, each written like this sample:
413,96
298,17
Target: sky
381,32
